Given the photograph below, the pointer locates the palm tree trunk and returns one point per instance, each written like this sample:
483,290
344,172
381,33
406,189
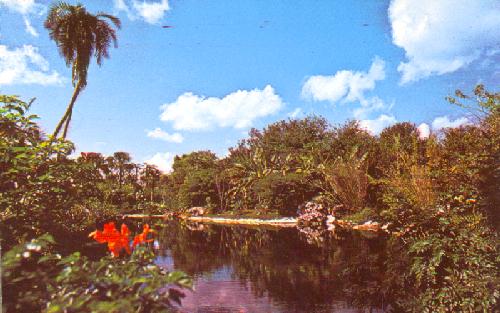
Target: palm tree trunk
68,112
66,126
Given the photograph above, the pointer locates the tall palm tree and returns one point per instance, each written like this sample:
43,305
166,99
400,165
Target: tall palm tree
79,36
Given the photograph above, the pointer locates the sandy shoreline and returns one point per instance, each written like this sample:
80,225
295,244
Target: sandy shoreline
281,222
277,222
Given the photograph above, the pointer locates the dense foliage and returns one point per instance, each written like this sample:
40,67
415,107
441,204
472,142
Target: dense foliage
438,196
44,191
42,186
37,279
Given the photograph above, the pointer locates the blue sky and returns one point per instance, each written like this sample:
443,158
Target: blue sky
227,66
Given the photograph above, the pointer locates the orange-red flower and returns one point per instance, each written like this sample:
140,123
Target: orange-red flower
117,240
142,237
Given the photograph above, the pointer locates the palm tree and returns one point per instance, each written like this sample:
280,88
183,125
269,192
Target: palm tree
79,36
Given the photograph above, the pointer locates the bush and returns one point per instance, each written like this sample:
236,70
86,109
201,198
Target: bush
283,193
362,215
345,181
455,264
34,176
37,279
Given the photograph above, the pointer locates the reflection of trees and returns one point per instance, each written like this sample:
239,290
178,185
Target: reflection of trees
282,265
194,251
287,269
363,268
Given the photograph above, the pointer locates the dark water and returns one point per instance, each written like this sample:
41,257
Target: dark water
240,269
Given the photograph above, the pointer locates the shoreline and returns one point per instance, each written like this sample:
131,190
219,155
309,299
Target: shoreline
278,222
275,222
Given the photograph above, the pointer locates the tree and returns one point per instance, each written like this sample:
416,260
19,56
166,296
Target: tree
151,175
121,164
79,35
193,179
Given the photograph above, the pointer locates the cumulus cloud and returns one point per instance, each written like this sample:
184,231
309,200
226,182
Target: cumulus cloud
121,5
24,7
346,86
444,122
158,133
375,126
20,6
296,113
238,109
424,131
443,36
163,161
370,105
151,12
349,86
25,66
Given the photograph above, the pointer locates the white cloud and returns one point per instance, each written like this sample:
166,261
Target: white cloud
29,28
371,105
296,113
121,5
158,133
163,161
376,126
444,122
346,86
20,6
423,131
16,67
151,12
24,7
443,36
349,86
238,109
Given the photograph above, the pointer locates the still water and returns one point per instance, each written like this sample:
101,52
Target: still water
241,269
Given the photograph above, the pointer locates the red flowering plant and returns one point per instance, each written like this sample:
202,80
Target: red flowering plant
120,240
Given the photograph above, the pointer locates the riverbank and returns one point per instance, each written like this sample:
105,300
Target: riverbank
275,222
278,222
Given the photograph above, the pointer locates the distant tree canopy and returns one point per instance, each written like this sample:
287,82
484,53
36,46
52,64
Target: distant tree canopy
289,162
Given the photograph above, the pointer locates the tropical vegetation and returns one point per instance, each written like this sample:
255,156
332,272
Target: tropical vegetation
438,197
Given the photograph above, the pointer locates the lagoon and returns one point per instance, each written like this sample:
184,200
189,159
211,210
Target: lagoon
256,269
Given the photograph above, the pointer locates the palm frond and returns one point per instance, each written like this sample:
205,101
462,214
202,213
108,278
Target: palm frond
112,18
80,36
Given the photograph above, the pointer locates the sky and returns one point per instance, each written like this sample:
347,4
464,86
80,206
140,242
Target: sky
223,67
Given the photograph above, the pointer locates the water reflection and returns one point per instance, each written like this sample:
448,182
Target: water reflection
240,269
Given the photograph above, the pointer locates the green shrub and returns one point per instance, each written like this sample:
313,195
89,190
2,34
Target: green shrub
283,193
455,265
34,176
344,181
362,215
37,279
